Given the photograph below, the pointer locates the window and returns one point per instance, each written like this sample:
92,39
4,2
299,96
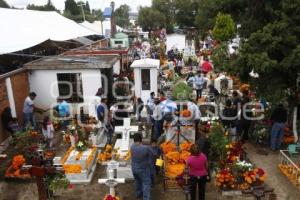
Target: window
145,79
118,42
68,81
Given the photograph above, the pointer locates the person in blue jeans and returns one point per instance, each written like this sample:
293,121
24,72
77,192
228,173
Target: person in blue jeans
156,153
141,157
279,118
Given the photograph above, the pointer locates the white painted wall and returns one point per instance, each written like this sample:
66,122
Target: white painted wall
145,94
44,84
11,99
117,67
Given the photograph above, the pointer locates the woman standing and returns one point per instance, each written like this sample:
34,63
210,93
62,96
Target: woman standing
198,171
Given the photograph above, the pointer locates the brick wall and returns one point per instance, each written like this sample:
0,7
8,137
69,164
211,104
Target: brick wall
20,87
3,104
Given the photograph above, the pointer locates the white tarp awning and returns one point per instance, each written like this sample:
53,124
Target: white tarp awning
21,29
97,27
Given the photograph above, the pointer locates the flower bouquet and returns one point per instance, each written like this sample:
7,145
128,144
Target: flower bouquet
15,171
81,146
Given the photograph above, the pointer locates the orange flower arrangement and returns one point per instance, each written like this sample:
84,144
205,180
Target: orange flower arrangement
72,169
185,146
67,154
127,156
184,156
79,155
256,176
244,87
168,147
173,157
225,180
185,113
14,170
34,133
106,155
174,170
18,162
90,158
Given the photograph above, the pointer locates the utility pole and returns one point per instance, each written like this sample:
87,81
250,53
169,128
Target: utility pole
81,5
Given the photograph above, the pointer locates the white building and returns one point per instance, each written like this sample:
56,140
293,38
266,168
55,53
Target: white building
76,78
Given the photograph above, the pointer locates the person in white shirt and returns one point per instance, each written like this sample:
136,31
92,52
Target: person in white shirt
198,81
196,116
28,109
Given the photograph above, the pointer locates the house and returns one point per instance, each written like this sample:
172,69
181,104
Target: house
74,77
120,40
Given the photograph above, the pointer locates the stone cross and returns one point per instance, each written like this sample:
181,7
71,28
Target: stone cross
112,181
126,129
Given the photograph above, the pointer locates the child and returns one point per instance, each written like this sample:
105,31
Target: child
14,126
48,131
156,153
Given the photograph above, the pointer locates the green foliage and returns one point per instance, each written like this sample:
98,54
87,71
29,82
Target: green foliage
151,19
57,181
71,7
185,13
47,7
181,91
221,57
122,16
3,4
224,29
98,15
218,142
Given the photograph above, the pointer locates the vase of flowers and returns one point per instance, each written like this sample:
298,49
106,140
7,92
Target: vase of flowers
93,136
73,133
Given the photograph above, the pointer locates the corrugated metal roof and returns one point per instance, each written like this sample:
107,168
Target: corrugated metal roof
73,62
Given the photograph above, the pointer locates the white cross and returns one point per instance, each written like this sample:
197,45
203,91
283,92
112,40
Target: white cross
126,129
111,181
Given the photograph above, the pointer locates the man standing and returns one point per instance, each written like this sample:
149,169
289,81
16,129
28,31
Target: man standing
28,109
63,109
279,118
196,116
198,82
141,157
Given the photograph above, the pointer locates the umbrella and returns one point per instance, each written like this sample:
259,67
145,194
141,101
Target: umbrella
206,66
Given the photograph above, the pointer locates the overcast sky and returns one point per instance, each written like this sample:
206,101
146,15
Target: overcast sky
96,4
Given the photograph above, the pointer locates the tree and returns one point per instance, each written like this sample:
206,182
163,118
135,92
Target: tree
122,16
167,9
47,7
87,7
150,19
185,12
3,4
71,7
224,29
274,53
98,14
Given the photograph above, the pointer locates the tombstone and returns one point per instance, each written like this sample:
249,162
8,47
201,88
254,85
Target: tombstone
145,77
88,168
223,84
125,142
111,181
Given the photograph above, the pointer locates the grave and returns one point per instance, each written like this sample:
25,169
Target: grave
223,84
112,179
123,144
145,77
87,163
